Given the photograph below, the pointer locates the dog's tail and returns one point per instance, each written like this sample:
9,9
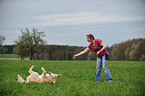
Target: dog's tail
20,79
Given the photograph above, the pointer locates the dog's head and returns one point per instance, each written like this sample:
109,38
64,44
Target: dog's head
54,77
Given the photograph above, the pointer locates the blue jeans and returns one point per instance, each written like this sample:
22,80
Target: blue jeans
102,61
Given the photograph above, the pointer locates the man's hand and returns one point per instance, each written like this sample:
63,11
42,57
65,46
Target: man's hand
74,57
98,53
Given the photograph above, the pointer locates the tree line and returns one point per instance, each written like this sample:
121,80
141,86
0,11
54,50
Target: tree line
32,45
59,52
129,50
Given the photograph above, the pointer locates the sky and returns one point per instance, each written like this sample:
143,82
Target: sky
67,22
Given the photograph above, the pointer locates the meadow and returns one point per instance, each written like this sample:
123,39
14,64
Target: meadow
9,56
78,78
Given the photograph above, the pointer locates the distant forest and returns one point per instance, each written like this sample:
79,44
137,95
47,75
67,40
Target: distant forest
131,50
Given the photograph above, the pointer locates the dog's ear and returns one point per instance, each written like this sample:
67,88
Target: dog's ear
59,75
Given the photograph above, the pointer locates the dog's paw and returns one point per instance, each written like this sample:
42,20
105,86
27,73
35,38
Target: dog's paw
43,69
18,75
32,66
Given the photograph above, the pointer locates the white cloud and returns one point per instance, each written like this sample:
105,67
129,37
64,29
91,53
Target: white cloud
79,18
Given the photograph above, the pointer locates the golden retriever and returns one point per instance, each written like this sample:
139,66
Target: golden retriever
36,78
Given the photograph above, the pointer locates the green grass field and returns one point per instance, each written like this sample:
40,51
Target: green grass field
78,79
9,56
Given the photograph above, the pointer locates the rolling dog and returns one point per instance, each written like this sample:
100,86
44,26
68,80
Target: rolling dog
36,78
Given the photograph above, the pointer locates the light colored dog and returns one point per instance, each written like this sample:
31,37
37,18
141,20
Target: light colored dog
36,78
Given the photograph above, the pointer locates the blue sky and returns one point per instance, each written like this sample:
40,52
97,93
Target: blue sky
67,22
